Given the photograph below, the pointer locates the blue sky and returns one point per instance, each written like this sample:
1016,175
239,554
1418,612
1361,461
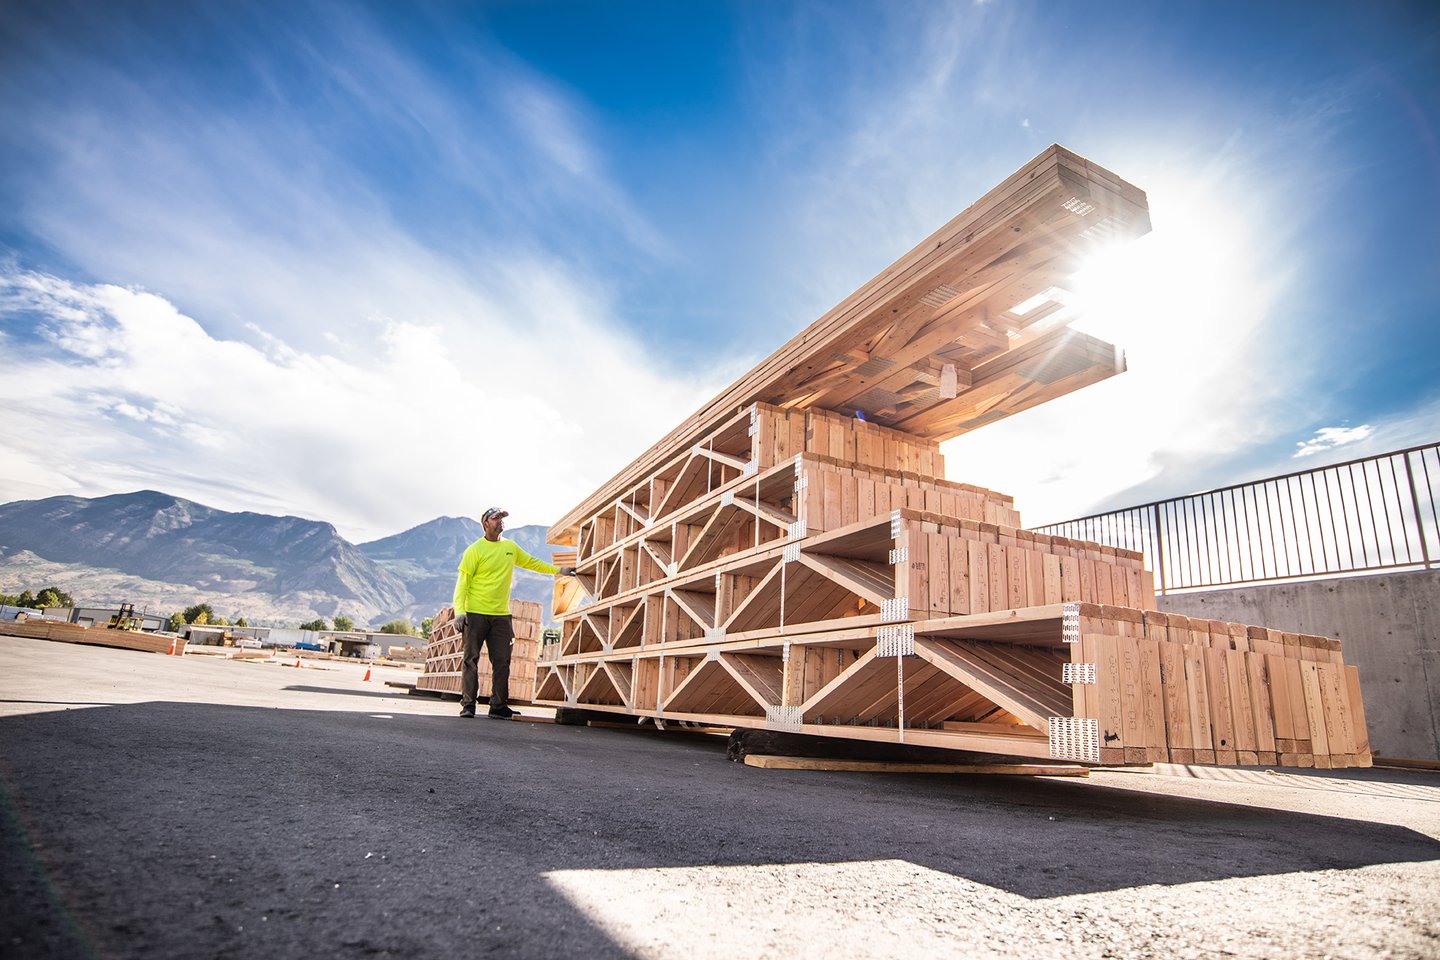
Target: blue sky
372,263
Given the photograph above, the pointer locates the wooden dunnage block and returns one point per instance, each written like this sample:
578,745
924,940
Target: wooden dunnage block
1109,680
1315,713
1197,692
1357,712
1261,700
1247,738
1175,701
1222,717
1339,721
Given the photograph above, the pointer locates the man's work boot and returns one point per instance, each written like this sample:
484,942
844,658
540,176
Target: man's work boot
502,713
467,711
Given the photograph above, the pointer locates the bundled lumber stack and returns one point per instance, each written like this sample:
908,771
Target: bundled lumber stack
792,556
444,652
95,636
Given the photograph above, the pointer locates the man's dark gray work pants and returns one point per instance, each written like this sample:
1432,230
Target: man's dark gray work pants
496,633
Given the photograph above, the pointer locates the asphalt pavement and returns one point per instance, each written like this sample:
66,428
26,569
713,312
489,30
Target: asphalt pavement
190,806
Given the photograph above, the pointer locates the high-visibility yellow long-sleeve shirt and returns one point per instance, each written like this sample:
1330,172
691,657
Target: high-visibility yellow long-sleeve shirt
486,569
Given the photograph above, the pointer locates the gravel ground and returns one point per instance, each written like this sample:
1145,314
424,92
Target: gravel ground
190,806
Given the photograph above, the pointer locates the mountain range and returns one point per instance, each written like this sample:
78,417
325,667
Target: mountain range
165,553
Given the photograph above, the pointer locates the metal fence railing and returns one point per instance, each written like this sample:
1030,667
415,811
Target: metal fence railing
1373,514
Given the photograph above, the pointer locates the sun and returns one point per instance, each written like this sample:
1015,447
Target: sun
1189,285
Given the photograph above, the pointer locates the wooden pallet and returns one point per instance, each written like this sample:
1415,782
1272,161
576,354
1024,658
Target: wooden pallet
788,565
445,651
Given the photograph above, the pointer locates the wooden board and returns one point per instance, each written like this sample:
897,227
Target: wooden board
883,766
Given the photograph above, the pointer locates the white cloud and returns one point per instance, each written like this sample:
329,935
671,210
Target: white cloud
281,332
432,420
1328,438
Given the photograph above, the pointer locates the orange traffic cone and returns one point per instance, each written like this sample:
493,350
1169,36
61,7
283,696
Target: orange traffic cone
367,673
172,648
297,663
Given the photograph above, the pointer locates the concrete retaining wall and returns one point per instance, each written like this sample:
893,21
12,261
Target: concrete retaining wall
1389,625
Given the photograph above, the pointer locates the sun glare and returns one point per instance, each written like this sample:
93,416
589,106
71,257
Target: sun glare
1183,302
1189,284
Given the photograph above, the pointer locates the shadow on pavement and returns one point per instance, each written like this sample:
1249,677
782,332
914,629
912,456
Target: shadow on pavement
393,694
63,703
181,830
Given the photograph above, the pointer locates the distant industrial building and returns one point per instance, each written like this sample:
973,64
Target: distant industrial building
361,644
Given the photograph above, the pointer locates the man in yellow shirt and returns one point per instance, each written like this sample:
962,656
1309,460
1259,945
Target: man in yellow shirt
482,610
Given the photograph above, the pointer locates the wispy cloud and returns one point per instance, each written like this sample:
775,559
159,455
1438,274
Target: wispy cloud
1328,438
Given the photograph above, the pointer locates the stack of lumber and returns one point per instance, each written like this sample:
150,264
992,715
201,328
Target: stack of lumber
96,636
445,650
780,561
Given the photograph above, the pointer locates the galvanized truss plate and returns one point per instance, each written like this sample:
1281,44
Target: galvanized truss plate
1104,229
1081,208
750,468
897,524
791,553
875,365
1070,623
783,718
1073,673
718,633
727,499
900,555
796,530
940,296
897,609
1075,738
712,655
895,641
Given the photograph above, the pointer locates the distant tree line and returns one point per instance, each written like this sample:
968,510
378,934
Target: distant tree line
46,598
201,614
402,628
